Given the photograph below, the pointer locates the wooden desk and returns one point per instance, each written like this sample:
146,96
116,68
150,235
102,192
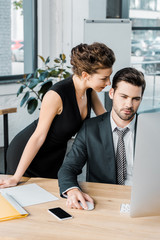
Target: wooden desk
104,222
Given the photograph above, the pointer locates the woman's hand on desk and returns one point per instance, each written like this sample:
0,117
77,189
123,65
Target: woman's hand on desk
9,182
75,196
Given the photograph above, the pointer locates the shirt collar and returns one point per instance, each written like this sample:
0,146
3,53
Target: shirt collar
131,125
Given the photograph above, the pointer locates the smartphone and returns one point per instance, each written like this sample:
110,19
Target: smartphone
60,213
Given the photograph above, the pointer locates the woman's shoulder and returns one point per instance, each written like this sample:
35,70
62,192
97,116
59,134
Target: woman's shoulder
63,87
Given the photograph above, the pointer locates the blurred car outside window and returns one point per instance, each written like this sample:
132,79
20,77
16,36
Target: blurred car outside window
138,47
18,54
16,44
151,62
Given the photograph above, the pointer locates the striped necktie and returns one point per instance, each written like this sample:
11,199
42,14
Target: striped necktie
121,156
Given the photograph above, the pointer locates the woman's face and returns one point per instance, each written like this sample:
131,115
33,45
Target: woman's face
98,81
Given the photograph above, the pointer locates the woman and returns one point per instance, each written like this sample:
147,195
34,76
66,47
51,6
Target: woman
39,149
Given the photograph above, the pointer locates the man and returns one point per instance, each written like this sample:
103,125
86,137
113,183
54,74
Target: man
99,144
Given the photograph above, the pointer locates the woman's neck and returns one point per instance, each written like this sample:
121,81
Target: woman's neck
80,86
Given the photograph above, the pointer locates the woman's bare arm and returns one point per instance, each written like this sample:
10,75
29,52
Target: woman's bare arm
50,107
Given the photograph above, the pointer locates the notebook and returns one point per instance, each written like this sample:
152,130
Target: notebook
9,208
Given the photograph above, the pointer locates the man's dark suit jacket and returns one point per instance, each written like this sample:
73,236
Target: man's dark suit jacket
94,145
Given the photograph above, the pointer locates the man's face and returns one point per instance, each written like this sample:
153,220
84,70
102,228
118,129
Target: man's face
126,100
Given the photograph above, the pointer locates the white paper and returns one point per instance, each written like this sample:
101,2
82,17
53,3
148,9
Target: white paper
29,194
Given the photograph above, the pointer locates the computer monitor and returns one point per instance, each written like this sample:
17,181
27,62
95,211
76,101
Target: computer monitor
145,193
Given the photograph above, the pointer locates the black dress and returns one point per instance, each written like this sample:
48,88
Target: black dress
51,154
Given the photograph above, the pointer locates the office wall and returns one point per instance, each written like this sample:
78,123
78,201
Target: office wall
61,24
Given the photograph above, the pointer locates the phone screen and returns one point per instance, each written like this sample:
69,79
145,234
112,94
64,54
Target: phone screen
60,213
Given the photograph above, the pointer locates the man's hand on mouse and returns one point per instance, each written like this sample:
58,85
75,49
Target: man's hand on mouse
75,196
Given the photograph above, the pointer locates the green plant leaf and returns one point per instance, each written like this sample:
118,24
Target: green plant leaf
47,60
60,71
18,4
57,60
20,90
44,87
33,83
24,99
29,76
42,58
53,73
35,73
40,70
62,57
32,104
66,74
43,75
49,82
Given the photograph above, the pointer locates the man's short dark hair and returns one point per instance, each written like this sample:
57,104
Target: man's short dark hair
129,75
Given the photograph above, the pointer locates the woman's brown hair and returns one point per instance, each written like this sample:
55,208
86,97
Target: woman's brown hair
90,58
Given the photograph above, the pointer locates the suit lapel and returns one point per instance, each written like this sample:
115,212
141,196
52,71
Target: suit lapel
106,136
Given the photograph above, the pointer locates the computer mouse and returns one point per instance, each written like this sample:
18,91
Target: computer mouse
89,205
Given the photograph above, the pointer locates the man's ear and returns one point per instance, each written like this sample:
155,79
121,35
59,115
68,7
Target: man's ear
111,93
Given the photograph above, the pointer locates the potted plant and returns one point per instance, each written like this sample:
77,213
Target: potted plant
38,84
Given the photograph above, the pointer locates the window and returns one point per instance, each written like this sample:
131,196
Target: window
19,43
152,5
145,47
